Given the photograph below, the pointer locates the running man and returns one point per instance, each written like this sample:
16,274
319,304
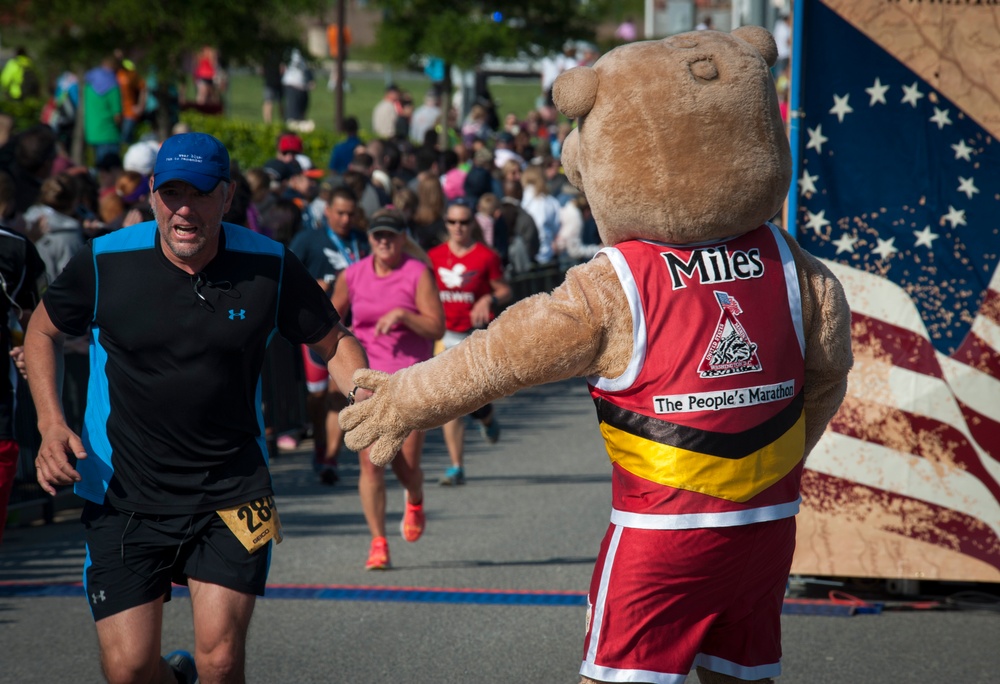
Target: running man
172,461
325,252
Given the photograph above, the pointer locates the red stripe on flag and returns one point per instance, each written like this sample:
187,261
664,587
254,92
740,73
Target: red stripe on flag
983,429
894,344
908,517
910,433
976,352
990,308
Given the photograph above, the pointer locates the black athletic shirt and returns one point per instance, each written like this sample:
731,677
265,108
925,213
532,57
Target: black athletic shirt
173,422
22,276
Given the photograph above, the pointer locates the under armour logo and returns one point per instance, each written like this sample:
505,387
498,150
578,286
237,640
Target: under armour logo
98,597
234,314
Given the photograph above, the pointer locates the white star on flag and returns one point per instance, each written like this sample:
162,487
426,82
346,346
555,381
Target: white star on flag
877,92
941,118
912,94
840,107
956,217
967,186
817,221
816,139
845,243
925,237
885,248
807,184
962,151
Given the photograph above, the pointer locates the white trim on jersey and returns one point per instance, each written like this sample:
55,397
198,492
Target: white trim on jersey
625,380
791,286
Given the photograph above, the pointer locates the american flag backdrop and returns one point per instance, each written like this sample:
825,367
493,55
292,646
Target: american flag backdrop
897,189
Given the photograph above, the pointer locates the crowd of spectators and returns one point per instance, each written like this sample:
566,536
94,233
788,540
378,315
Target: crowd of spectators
507,170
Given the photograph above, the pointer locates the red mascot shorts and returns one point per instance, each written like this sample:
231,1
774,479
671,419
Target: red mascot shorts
664,601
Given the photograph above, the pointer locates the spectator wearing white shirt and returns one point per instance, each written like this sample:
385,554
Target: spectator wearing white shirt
544,209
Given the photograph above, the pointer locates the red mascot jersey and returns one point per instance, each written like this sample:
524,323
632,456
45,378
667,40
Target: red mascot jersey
706,427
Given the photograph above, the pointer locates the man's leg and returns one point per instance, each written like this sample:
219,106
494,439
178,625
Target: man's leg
126,581
335,402
221,620
316,409
130,645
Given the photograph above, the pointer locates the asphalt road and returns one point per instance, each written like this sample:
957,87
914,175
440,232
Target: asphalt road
493,592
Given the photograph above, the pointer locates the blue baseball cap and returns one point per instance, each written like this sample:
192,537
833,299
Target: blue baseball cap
198,159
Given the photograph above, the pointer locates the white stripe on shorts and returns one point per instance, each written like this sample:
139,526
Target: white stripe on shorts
728,667
597,614
610,674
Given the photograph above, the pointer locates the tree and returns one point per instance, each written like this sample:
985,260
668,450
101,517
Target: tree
77,34
462,32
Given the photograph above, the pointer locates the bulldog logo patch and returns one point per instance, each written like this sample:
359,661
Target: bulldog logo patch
731,350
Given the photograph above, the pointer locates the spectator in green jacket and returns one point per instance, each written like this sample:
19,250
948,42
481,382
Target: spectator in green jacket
102,110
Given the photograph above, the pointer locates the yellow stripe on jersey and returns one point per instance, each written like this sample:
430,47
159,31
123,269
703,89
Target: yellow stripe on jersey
732,479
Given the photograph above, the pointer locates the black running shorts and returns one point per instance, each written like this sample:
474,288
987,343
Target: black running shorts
132,558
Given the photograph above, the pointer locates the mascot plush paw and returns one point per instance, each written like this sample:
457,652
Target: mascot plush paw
715,348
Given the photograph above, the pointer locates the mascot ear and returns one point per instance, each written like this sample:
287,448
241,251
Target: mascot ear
575,91
570,159
761,39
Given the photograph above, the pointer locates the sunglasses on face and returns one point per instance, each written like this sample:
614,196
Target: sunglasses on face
458,222
384,236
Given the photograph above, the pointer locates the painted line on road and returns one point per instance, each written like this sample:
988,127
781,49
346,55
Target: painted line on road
348,592
340,592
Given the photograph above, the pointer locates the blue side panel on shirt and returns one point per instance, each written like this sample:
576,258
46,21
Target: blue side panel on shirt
240,239
97,469
140,236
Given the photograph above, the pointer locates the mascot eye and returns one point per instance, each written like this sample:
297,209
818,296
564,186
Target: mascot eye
684,43
704,70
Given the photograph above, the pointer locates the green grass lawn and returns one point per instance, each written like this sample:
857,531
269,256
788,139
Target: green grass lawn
243,99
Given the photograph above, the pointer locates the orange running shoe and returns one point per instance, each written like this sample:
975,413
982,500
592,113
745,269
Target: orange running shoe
412,524
378,555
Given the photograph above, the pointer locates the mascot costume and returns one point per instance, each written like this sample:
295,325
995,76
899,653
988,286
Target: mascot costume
715,348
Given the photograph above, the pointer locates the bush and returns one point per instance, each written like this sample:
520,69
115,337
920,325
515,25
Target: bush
249,143
26,112
252,144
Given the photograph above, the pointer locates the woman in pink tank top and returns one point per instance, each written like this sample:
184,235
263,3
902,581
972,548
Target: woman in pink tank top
396,315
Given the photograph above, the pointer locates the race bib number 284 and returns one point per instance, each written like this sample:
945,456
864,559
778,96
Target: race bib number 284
254,523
